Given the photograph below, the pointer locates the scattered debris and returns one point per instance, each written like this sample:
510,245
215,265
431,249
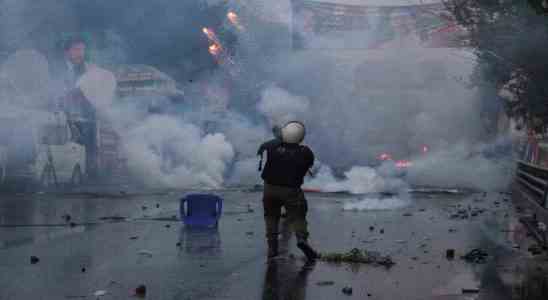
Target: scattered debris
535,250
470,291
422,209
476,256
157,205
250,233
113,219
347,290
325,283
34,260
407,214
145,253
100,293
83,270
178,244
450,254
72,224
381,231
66,217
359,256
167,225
452,230
133,237
144,207
141,290
371,228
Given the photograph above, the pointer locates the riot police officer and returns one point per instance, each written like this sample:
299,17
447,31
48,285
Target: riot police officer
287,164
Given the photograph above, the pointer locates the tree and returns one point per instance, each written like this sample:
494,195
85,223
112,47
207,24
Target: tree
509,37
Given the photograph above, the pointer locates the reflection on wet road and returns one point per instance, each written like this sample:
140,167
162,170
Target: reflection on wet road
101,243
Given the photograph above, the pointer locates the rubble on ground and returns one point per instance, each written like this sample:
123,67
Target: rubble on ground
358,256
477,256
347,290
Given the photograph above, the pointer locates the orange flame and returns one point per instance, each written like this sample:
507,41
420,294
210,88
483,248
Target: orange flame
385,156
211,36
401,164
234,19
215,49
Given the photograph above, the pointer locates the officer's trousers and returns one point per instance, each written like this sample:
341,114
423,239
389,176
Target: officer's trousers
274,197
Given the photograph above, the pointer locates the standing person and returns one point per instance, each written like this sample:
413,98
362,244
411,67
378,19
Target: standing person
73,64
80,111
287,163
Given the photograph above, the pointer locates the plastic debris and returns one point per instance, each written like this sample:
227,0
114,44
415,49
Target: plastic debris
100,293
347,290
450,254
325,283
141,290
476,256
34,260
145,253
67,217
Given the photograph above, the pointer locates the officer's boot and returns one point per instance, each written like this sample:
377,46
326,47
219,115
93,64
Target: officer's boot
310,253
272,248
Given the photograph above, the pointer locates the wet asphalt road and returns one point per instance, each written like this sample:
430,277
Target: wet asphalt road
119,241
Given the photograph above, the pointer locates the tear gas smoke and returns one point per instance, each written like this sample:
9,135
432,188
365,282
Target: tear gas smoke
358,180
356,103
369,203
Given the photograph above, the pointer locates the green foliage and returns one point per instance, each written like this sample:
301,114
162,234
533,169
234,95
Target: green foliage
509,38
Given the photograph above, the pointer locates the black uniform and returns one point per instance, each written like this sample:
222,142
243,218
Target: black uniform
283,174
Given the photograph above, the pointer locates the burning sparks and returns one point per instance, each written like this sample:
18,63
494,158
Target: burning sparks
385,156
215,49
211,36
425,149
402,164
234,19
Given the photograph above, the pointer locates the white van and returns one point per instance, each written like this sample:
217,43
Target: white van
43,149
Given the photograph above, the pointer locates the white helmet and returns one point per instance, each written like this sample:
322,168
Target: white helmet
293,132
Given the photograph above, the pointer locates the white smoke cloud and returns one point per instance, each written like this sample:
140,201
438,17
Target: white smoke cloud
280,107
369,203
358,180
356,104
166,152
461,166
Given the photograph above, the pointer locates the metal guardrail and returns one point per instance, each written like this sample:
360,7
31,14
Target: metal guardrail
535,180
